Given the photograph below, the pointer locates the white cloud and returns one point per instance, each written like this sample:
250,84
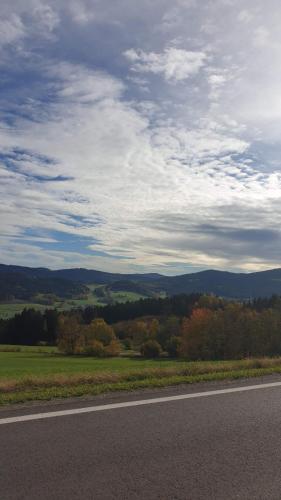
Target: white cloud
81,13
175,64
11,30
216,80
245,16
126,169
79,84
144,164
47,18
261,36
26,21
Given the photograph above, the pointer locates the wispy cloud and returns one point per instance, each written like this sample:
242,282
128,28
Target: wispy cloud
11,30
175,64
81,13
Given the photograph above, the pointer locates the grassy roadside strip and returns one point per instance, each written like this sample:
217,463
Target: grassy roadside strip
62,386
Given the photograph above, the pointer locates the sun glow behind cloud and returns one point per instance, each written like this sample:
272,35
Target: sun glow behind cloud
140,146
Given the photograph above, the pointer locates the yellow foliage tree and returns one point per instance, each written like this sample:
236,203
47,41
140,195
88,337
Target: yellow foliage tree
71,339
99,330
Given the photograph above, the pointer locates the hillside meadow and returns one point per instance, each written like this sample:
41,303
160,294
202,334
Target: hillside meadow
10,309
40,373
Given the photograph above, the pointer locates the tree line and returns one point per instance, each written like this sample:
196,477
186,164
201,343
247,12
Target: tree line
194,327
31,327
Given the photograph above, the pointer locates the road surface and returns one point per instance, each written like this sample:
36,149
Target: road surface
222,446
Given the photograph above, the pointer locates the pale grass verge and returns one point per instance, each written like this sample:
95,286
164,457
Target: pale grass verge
192,369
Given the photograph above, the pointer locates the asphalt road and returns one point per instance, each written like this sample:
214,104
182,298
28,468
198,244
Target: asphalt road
225,446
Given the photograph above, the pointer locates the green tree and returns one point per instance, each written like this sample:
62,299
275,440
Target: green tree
173,346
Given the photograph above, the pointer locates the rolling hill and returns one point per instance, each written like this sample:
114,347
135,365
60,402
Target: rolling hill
23,283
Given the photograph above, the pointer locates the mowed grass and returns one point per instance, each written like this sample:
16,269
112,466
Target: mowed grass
30,375
41,362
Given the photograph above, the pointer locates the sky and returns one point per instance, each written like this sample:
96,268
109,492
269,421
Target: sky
140,136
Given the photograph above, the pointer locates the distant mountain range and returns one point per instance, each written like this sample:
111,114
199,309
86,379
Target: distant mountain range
22,283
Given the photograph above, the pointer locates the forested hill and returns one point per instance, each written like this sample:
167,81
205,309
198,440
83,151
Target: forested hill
21,282
80,275
20,286
225,284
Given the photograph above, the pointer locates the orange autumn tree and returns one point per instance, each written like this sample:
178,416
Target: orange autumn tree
234,332
202,335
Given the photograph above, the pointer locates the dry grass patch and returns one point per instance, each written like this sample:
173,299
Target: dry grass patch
194,369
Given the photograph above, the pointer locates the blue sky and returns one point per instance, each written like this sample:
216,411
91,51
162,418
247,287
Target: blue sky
140,137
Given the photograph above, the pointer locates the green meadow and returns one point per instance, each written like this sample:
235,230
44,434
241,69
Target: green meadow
8,310
45,361
41,373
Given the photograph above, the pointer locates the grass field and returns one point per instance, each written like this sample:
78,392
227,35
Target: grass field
39,373
41,362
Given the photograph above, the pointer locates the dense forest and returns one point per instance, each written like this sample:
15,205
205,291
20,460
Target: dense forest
31,327
194,327
19,286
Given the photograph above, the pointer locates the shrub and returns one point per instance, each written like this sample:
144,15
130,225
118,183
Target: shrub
95,348
150,349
